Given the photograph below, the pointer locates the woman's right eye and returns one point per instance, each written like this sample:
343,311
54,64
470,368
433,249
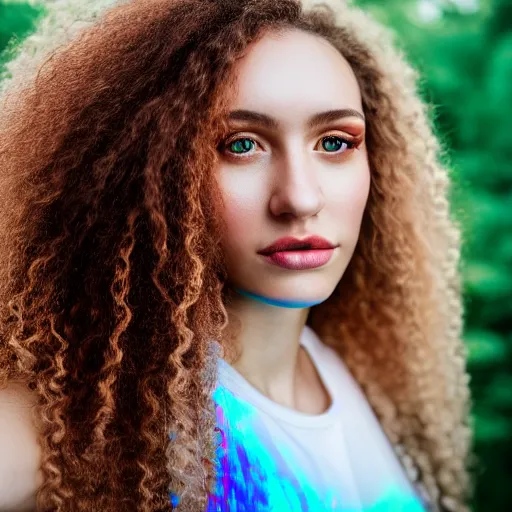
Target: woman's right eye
239,146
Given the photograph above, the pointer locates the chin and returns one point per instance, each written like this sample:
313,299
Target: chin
297,292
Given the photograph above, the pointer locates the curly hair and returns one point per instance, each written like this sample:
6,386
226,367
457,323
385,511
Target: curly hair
112,277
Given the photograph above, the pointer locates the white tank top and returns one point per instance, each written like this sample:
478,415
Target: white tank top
273,458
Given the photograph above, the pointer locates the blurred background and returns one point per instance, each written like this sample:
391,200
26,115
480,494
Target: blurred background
463,49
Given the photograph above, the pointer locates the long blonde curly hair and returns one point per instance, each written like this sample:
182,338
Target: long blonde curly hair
111,273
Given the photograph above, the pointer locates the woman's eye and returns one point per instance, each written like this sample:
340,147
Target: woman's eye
331,144
241,146
334,144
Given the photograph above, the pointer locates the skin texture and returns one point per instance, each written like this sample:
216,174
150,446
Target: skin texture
289,180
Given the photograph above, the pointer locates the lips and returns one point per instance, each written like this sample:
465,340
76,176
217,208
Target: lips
300,260
290,243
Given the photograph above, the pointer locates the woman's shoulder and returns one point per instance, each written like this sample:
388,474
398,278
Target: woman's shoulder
19,446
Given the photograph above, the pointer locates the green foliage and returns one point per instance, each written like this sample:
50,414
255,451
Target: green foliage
466,64
17,21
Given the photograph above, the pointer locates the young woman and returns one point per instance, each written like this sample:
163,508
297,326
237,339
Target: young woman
162,347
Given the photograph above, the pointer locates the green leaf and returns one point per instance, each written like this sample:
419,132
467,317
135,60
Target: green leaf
491,427
484,347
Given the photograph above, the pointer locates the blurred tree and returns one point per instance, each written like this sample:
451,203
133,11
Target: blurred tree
17,21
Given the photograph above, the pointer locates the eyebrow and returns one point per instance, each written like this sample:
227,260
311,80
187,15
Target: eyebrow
315,120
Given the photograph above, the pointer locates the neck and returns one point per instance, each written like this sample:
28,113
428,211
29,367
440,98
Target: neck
269,339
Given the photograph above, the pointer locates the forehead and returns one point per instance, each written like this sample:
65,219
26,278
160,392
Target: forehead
292,74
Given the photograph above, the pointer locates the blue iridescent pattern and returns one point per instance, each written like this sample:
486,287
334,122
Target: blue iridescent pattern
255,475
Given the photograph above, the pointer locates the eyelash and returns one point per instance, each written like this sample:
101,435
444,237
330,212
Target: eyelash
351,144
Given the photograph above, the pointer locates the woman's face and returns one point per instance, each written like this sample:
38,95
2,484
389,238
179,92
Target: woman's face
281,176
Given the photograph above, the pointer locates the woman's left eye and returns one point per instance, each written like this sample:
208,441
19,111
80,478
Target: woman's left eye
331,143
335,143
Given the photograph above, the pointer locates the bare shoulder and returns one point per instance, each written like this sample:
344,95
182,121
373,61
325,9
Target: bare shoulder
19,449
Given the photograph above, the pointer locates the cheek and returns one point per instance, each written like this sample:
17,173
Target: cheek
242,213
347,197
240,218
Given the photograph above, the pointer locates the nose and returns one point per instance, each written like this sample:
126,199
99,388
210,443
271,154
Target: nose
296,189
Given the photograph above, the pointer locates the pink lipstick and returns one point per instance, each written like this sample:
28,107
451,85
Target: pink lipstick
300,260
295,254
